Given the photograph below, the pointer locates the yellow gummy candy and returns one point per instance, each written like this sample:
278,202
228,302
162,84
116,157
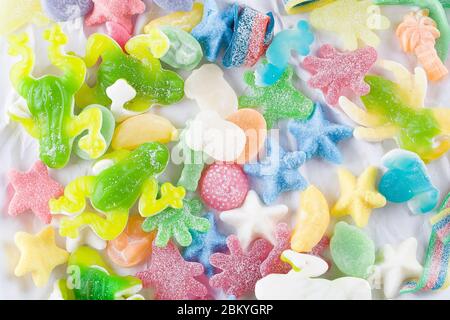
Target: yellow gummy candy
15,14
300,6
38,255
183,20
171,196
312,220
142,128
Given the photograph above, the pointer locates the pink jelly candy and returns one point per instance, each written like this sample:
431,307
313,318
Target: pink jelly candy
241,270
223,186
335,72
171,276
32,191
273,263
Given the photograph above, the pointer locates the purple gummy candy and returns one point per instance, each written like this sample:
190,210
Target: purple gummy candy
175,5
64,10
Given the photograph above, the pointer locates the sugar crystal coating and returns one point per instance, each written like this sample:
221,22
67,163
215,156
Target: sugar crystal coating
273,262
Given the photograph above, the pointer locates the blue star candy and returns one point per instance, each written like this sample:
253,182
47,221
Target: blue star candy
278,173
204,244
319,137
215,30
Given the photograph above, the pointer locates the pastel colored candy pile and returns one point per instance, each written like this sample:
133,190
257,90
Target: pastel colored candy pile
175,5
180,19
67,9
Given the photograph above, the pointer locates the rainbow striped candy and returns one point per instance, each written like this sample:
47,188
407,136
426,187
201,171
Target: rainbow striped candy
435,274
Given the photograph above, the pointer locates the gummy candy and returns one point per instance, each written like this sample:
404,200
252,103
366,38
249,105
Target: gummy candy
437,13
185,52
132,246
220,139
49,100
396,110
65,10
240,268
398,264
254,126
273,262
193,164
351,20
38,255
215,30
140,68
90,278
352,250
86,237
204,244
436,261
407,179
175,5
113,192
211,91
300,6
176,222
334,72
32,191
279,101
312,220
278,173
18,13
180,19
253,32
319,137
223,186
253,220
143,128
358,196
279,52
120,92
171,276
417,34
301,282
115,12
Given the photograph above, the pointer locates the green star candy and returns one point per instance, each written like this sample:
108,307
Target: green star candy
278,101
177,223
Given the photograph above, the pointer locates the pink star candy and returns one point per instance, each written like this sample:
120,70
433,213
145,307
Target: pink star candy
241,270
334,72
171,276
32,191
117,11
273,263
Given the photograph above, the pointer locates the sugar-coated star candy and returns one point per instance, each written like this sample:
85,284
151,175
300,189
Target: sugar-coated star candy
300,6
351,20
279,52
64,10
252,33
273,262
204,244
171,276
359,196
177,223
352,250
254,220
38,255
214,32
223,186
407,180
241,269
312,220
32,191
319,137
334,72
179,19
277,173
301,282
398,264
278,101
175,5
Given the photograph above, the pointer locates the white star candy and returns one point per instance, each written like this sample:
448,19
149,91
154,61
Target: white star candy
399,264
254,220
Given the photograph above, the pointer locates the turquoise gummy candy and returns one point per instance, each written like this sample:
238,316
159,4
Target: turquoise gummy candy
353,252
407,180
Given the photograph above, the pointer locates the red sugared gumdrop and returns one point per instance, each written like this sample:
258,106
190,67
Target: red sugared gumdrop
223,186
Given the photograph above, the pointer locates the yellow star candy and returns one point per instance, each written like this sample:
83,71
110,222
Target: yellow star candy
358,196
38,255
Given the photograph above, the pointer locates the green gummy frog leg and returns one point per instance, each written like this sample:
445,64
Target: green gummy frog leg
192,169
170,197
107,228
74,199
